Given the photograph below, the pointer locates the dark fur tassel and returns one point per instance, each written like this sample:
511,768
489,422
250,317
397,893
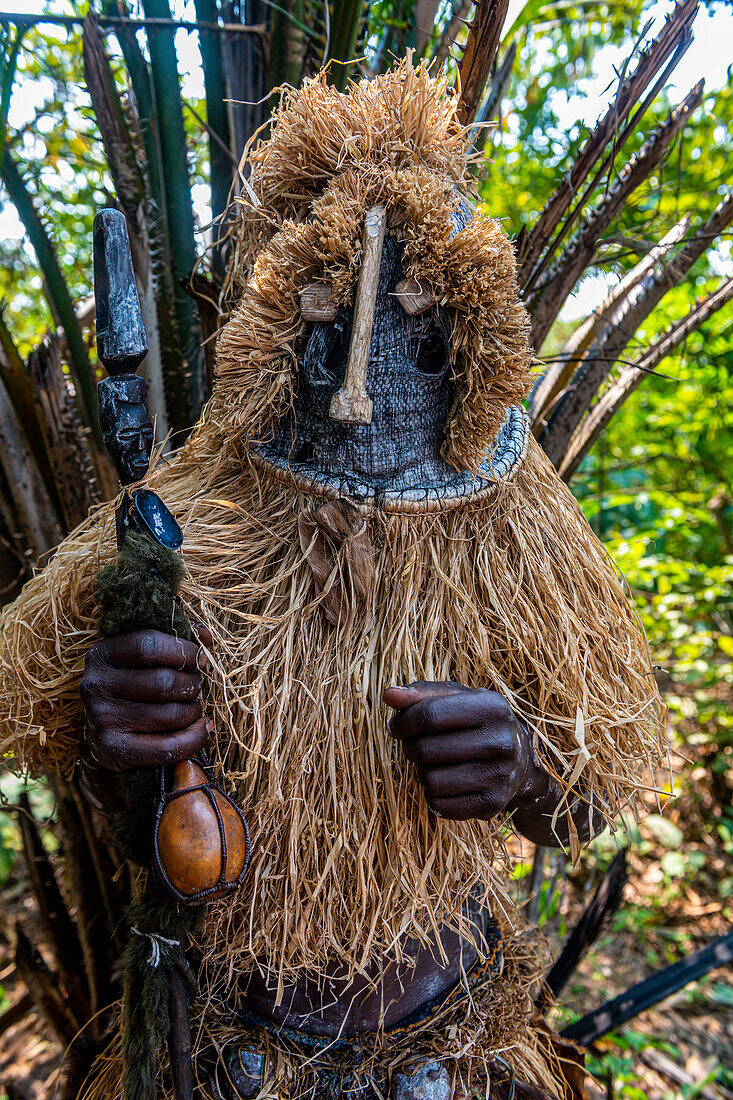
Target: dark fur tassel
135,592
154,963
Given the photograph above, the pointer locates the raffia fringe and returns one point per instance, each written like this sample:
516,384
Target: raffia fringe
513,593
313,184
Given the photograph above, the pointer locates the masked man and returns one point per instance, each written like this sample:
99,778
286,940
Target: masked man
411,636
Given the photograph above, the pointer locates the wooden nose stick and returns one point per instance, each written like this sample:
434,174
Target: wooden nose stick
351,404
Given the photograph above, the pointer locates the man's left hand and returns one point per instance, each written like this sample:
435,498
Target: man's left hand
473,756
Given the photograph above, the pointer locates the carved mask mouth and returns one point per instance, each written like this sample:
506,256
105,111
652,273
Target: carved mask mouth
396,459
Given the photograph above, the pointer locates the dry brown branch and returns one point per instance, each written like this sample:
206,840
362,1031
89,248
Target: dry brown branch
631,377
559,373
15,561
43,987
497,91
83,888
71,462
674,38
615,336
119,133
55,919
544,303
13,1015
31,502
475,65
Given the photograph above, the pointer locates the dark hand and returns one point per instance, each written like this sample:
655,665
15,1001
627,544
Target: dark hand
473,756
141,696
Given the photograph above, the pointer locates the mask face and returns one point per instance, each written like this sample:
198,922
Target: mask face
396,457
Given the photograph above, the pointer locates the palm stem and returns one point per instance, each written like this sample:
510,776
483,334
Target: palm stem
179,209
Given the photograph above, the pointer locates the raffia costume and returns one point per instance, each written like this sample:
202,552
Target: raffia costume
471,563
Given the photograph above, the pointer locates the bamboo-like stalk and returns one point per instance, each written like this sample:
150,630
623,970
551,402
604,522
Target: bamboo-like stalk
346,19
56,289
631,377
220,167
179,210
545,304
24,19
246,68
279,43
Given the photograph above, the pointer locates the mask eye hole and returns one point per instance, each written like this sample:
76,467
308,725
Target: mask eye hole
430,351
326,351
338,351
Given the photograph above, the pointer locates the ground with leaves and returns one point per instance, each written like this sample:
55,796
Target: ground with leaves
678,899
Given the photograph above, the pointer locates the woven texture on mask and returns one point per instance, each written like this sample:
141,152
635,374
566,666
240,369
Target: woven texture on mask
396,461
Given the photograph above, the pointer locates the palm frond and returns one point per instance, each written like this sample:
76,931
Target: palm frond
615,336
631,376
536,248
563,365
546,300
484,34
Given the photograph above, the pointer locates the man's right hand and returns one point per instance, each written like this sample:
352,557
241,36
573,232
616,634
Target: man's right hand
141,696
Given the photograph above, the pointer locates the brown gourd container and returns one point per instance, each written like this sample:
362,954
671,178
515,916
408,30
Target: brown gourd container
201,842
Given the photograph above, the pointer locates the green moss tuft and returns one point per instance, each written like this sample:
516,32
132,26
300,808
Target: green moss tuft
137,590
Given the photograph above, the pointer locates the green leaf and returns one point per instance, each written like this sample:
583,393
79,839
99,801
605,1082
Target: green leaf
673,864
666,832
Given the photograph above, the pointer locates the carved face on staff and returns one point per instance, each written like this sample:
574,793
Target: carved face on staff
126,426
